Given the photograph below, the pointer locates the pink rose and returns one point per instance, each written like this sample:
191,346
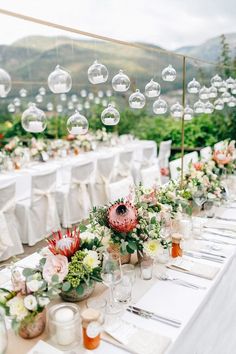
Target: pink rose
55,264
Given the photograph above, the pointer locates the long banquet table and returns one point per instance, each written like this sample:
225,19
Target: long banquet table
208,315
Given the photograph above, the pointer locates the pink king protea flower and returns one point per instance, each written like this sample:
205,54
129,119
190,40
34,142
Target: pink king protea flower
66,245
122,217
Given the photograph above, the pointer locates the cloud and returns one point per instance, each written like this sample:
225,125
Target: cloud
170,24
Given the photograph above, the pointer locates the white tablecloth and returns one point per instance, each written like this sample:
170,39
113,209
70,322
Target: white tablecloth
208,315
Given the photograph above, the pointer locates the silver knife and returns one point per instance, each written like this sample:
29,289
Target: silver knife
225,219
212,254
202,256
151,315
221,235
219,228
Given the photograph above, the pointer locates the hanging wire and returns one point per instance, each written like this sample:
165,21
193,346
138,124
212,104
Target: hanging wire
104,38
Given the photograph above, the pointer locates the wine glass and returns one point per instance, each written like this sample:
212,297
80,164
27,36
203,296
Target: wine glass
3,335
111,274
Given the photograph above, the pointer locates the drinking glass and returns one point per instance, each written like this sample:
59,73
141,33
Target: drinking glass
111,274
3,335
146,269
123,290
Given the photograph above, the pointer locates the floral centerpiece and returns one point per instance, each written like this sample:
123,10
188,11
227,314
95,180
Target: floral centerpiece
30,293
225,159
134,225
38,150
81,249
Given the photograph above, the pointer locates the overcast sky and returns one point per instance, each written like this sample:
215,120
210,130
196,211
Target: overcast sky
168,23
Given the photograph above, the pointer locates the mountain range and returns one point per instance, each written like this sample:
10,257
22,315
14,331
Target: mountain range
32,58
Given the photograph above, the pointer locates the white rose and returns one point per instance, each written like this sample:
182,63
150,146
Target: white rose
30,302
17,308
86,235
34,285
43,301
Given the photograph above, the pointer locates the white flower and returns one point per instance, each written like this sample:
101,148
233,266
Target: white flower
43,301
87,236
3,296
91,259
30,302
17,308
152,248
34,285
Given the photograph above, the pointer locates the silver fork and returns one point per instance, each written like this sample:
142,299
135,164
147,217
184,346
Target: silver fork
179,281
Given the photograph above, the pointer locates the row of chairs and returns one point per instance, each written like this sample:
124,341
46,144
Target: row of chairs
91,183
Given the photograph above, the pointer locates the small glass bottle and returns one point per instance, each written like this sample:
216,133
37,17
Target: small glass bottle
176,249
91,328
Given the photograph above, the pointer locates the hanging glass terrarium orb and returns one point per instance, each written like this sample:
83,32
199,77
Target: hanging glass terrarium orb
120,82
110,115
63,97
225,96
100,94
223,87
70,105
74,98
137,100
204,93
97,73
33,119
42,91
90,96
97,100
23,92
199,107
152,89
188,113
209,108
230,82
216,81
17,102
232,102
79,107
160,106
212,92
11,108
104,103
193,86
86,105
83,93
233,89
50,107
39,98
219,104
77,124
109,93
177,110
5,83
59,81
59,108
169,73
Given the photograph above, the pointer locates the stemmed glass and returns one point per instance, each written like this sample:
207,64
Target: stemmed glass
3,335
111,274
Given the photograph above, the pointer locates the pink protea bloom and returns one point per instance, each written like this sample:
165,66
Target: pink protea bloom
122,217
65,245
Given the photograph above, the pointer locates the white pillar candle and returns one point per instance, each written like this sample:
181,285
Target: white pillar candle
136,104
120,87
109,121
35,127
76,130
98,79
152,93
65,333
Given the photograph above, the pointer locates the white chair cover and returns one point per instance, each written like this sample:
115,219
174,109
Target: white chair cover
164,153
74,200
10,243
192,157
38,216
206,153
100,189
151,176
120,189
175,165
124,164
149,153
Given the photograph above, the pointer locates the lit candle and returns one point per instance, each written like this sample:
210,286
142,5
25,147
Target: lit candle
35,127
152,93
65,334
109,121
98,79
136,104
76,130
60,88
121,87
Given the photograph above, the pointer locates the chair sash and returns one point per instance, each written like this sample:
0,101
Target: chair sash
5,237
52,208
